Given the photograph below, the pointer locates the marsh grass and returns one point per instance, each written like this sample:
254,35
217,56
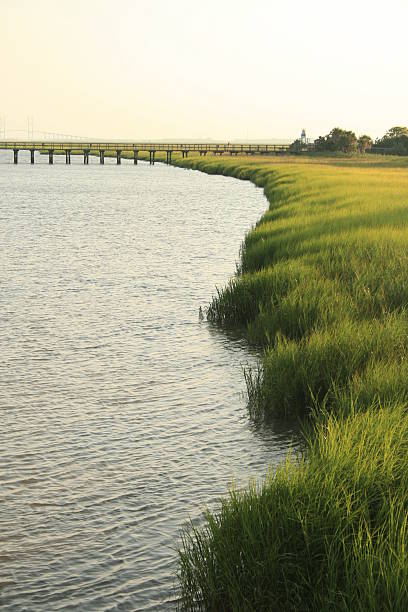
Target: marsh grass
323,287
323,279
326,532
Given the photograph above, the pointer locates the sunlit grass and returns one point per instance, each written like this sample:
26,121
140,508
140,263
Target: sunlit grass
326,262
323,287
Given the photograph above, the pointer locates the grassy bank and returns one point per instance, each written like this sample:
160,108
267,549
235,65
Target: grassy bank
325,533
323,282
323,285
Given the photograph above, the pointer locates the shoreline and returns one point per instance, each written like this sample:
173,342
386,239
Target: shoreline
323,288
315,290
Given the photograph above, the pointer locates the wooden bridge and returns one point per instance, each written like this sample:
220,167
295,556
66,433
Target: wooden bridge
118,148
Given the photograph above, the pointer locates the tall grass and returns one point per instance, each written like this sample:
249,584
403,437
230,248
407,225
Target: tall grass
323,286
328,532
322,275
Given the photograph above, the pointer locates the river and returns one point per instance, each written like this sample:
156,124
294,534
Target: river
122,413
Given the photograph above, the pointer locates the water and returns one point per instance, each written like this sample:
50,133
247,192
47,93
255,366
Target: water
122,413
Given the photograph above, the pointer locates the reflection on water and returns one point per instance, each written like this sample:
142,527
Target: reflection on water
122,412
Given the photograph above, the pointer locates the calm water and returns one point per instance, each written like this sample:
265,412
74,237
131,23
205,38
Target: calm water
122,414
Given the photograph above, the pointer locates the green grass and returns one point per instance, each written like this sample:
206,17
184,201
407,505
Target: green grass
324,275
323,287
324,533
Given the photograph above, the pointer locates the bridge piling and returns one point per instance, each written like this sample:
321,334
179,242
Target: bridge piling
15,156
51,156
135,154
68,156
118,159
32,155
101,156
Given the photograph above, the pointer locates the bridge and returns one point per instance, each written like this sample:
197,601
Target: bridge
52,147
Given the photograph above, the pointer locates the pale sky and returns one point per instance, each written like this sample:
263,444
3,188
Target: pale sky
223,69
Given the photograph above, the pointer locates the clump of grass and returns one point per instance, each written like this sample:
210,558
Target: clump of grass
296,373
324,533
248,294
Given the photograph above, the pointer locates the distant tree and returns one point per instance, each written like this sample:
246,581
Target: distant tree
320,144
342,140
337,140
394,141
364,143
396,132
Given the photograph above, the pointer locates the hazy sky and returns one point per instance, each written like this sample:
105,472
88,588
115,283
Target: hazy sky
227,69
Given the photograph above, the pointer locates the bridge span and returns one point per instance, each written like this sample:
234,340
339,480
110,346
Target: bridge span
118,148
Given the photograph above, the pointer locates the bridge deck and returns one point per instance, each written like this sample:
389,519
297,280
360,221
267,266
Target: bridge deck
140,146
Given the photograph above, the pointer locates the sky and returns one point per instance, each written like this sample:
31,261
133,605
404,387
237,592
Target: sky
219,69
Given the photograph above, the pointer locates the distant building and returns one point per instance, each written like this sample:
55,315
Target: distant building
303,138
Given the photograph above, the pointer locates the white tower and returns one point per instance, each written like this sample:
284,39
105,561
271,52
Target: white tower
303,138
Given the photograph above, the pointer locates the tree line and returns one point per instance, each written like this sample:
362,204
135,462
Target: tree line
394,142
